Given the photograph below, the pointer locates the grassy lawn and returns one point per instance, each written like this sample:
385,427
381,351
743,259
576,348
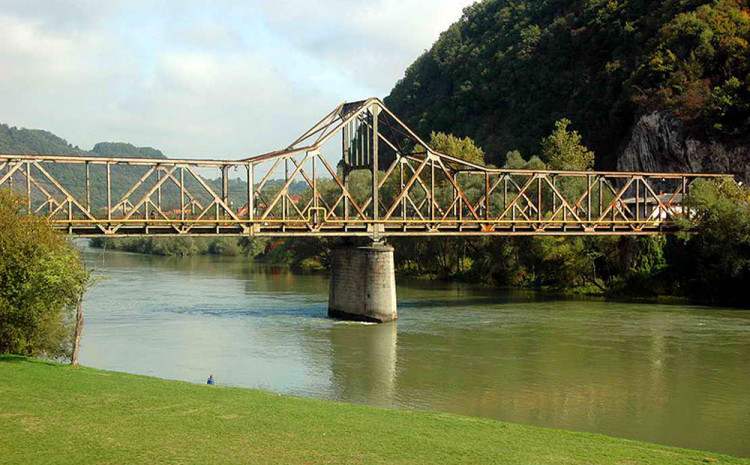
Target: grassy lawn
54,414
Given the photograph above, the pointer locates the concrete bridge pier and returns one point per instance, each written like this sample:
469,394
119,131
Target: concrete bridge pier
363,283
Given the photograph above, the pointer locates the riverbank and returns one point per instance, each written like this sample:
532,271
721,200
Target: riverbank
310,256
55,414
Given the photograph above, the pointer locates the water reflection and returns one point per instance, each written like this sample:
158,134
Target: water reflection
363,362
668,374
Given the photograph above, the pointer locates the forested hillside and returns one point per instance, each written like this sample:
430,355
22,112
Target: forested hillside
508,69
15,140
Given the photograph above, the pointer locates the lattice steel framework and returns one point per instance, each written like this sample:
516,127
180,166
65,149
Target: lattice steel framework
323,185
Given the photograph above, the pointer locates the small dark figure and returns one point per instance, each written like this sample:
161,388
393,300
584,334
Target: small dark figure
210,380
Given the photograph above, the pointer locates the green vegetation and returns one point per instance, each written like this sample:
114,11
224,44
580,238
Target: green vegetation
563,149
713,263
89,416
41,279
508,69
24,141
464,149
183,246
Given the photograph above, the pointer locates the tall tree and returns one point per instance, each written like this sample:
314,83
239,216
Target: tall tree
563,150
42,278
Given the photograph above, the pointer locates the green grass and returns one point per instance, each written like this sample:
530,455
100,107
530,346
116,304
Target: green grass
54,414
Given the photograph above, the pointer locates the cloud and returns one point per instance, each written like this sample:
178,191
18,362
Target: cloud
197,79
372,41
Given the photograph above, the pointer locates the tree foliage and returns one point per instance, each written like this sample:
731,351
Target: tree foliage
184,246
712,260
699,68
562,150
463,148
41,278
508,69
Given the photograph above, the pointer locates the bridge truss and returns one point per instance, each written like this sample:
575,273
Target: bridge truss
323,185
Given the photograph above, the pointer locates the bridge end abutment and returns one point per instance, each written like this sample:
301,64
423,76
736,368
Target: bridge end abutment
363,283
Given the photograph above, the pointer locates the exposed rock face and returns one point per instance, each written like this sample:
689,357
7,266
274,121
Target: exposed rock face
659,142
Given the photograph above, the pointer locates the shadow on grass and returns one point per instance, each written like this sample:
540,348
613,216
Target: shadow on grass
7,358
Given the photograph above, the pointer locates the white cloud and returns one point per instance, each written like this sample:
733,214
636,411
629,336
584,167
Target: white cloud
224,79
373,41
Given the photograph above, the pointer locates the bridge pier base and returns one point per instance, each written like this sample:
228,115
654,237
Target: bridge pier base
363,283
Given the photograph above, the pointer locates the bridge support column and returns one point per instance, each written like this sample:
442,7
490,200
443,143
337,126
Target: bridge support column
363,283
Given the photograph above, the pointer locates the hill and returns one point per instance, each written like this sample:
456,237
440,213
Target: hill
122,149
650,85
15,140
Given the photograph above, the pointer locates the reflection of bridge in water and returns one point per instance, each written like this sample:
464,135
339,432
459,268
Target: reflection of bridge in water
358,172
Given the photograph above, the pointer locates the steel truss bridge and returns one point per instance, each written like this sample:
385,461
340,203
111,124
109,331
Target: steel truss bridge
358,172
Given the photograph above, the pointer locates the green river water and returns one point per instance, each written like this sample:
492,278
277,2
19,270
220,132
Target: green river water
672,374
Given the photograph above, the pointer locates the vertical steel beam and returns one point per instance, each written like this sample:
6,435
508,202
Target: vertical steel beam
250,190
182,193
158,191
685,197
346,158
401,183
638,200
539,197
375,191
486,196
431,194
505,192
315,181
285,194
88,187
588,198
28,187
554,196
225,184
109,192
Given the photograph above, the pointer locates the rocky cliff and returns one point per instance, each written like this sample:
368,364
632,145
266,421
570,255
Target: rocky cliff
659,142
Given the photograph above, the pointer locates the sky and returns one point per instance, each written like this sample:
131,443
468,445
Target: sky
203,79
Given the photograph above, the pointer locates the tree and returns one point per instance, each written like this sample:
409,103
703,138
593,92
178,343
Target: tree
42,278
563,150
711,260
465,148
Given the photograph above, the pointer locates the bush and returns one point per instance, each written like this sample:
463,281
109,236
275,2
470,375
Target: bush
41,278
711,260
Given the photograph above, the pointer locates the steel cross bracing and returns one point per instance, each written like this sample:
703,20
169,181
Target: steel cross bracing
322,185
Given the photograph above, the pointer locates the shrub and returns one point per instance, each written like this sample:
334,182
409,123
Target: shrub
41,278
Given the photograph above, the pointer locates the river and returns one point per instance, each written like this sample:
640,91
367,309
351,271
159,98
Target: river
671,374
